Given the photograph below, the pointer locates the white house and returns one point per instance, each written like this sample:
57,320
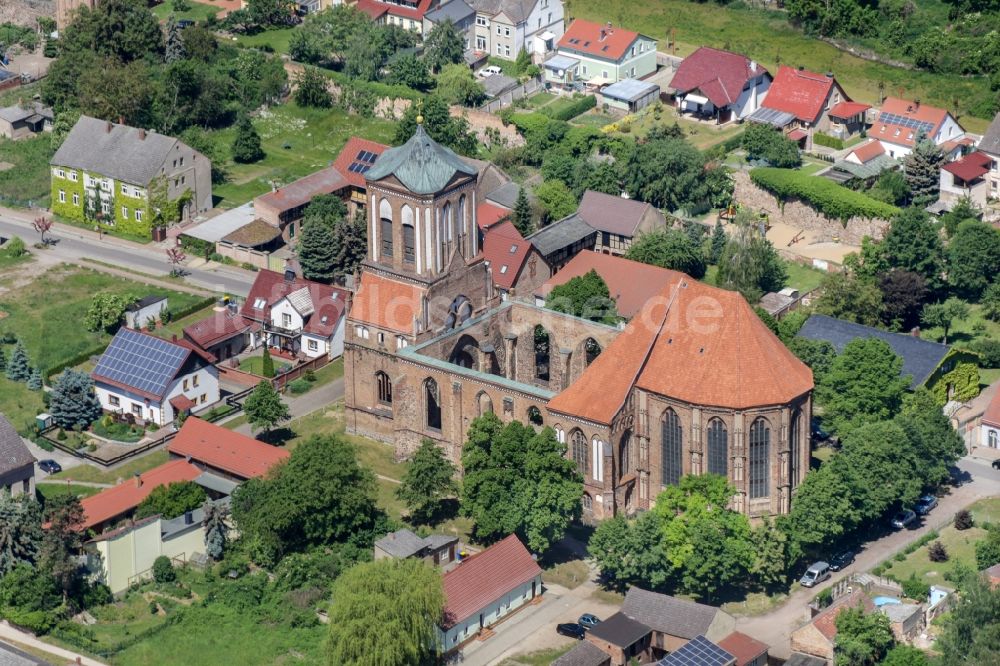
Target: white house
989,430
504,27
901,122
718,84
154,379
296,315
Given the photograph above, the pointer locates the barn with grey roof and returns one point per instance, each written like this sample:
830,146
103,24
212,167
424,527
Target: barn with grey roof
17,465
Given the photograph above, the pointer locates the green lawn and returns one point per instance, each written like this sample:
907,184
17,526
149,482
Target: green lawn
255,365
802,277
275,41
47,314
702,135
297,142
176,327
767,37
199,11
50,491
538,658
540,99
959,544
594,119
962,331
810,167
28,179
93,474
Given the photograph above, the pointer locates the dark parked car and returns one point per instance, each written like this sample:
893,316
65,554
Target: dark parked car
841,560
996,464
571,629
588,621
904,519
925,504
49,466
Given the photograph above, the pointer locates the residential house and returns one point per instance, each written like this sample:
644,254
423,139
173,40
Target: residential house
153,380
901,122
865,162
746,650
283,207
225,457
515,264
990,144
779,303
224,334
104,171
108,507
817,638
295,315
799,102
621,638
353,162
966,177
630,283
139,313
407,14
906,621
486,588
436,549
17,465
584,653
675,621
25,120
701,651
989,431
461,14
564,239
924,361
600,54
712,83
505,27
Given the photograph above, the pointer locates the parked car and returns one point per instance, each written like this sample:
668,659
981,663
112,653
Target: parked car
816,573
841,560
571,629
926,504
487,72
903,519
588,621
49,466
996,464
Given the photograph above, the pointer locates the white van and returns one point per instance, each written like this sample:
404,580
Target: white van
817,573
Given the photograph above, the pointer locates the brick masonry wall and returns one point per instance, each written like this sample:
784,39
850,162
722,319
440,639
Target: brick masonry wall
797,214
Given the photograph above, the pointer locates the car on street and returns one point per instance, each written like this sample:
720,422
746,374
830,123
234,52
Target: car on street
841,560
903,519
589,621
996,464
926,504
816,573
49,466
571,629
487,72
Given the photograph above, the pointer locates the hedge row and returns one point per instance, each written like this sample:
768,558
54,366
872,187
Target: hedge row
824,195
191,309
579,104
829,141
374,87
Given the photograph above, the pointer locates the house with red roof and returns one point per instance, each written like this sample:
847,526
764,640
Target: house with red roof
901,122
966,177
712,83
598,54
223,452
989,430
486,588
112,504
809,102
223,334
818,637
516,265
407,14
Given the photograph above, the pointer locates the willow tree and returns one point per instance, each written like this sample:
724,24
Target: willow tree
749,263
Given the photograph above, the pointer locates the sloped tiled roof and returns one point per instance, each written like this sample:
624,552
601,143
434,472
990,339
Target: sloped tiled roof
848,109
488,215
349,154
799,92
13,453
421,164
560,234
216,327
301,301
826,622
507,251
869,151
620,630
617,215
908,118
328,303
117,151
386,303
730,358
972,166
720,75
991,140
745,648
127,495
301,191
375,9
584,653
630,283
992,413
667,614
586,37
516,10
486,577
225,449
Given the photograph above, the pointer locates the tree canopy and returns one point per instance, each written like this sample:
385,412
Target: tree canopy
264,407
668,248
668,172
172,500
584,296
913,244
863,385
317,251
439,125
73,402
428,481
973,258
749,263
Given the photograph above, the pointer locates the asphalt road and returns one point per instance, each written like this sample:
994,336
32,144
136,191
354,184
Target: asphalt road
74,244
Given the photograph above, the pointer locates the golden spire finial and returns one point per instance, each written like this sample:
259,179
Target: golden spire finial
420,115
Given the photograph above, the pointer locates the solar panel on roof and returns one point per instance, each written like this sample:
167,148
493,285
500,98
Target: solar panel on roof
141,361
903,121
698,652
366,156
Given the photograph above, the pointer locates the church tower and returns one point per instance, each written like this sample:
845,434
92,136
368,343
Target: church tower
422,203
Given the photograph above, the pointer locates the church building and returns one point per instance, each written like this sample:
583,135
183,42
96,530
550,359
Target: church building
695,383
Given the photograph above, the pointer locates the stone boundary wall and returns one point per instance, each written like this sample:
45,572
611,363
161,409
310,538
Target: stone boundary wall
797,214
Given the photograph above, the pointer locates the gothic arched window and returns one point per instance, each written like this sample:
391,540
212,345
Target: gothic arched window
579,450
385,227
383,388
795,434
432,397
760,458
671,448
718,448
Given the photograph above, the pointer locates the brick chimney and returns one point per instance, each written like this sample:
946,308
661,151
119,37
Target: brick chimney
142,135
138,480
107,127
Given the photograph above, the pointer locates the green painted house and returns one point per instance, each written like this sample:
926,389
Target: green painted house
598,54
105,172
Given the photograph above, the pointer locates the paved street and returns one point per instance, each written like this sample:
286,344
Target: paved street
74,244
24,638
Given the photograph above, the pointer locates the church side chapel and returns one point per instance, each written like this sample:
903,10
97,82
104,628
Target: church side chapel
695,383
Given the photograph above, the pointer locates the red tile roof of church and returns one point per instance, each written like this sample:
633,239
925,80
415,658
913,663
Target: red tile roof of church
728,357
386,303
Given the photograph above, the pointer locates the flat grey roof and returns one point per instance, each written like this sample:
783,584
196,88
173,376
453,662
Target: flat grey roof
498,83
630,90
456,10
771,117
222,225
217,483
560,62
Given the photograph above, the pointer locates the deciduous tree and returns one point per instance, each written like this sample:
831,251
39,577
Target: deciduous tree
668,172
863,385
409,70
429,480
172,500
973,258
73,402
944,315
972,633
669,248
555,199
845,296
402,598
106,311
749,263
264,407
443,46
862,638
62,541
584,296
913,244
350,242
903,294
312,91
326,208
457,85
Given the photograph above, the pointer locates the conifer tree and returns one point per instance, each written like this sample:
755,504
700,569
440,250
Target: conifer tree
216,530
522,213
3,360
718,243
246,145
35,380
350,242
174,43
923,169
316,251
73,400
266,363
18,369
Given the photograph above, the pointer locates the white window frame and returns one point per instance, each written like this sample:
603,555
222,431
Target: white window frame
61,173
124,189
313,345
73,176
138,215
76,199
62,196
125,212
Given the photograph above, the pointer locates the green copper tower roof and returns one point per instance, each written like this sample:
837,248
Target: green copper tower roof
421,164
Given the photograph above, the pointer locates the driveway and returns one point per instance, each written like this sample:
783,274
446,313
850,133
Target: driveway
308,403
775,628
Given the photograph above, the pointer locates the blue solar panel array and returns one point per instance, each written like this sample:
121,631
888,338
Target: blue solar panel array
903,121
698,652
140,361
363,162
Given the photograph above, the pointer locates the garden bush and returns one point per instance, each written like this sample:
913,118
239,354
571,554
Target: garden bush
163,570
937,552
579,104
299,386
821,139
824,598
915,588
830,199
963,520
